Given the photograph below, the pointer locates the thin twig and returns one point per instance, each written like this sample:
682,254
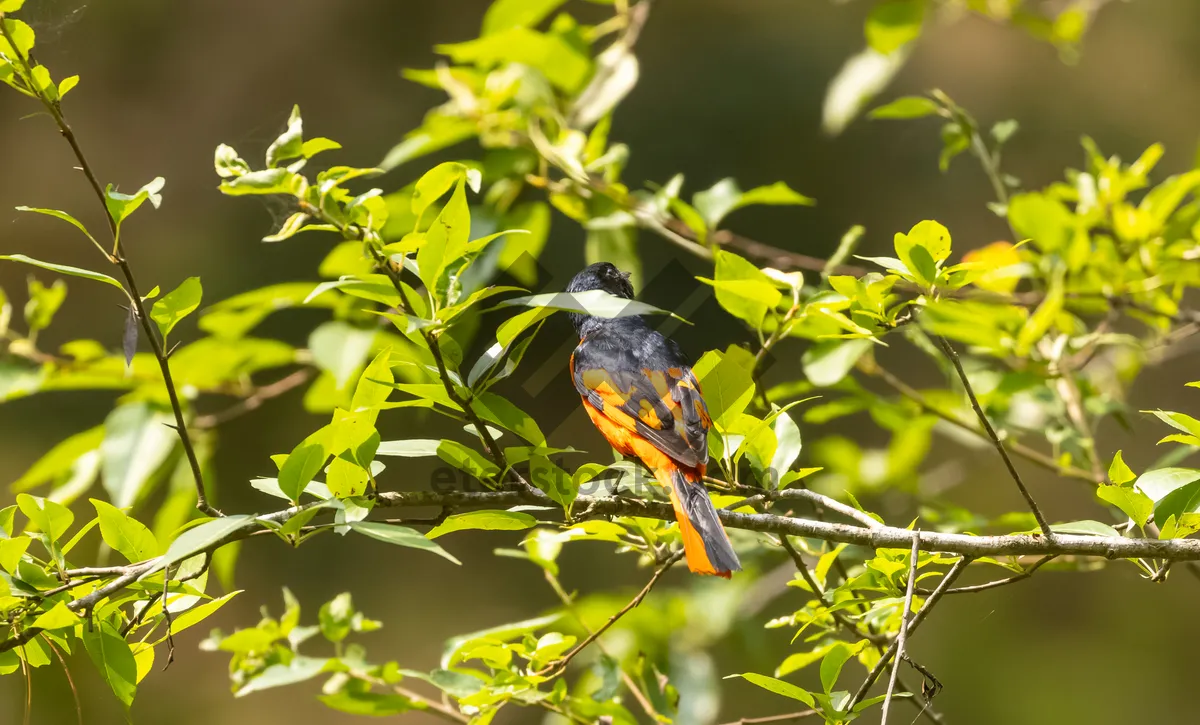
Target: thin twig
558,666
973,589
787,717
70,682
1030,454
838,616
118,257
799,494
948,349
255,399
626,678
917,619
902,635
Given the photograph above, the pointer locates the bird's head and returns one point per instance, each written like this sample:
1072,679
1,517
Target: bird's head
598,276
603,276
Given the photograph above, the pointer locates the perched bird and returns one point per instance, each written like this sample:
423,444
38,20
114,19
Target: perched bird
641,394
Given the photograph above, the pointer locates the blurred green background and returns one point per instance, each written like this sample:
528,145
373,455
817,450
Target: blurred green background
727,89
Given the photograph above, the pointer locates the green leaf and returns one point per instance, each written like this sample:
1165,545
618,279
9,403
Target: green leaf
1044,220
521,251
124,534
561,63
1132,502
437,181
597,303
10,6
507,14
400,536
111,655
487,520
1085,528
495,409
290,143
725,197
932,238
304,462
1179,503
413,448
299,669
59,460
67,84
199,538
57,617
176,305
467,459
264,181
438,132
1157,484
860,79
1178,421
777,194
906,107
43,303
198,614
742,289
835,659
52,519
63,269
374,704
11,551
446,240
557,483
1040,321
779,687
727,382
65,216
136,443
893,24
1118,472
120,206
616,74
341,349
828,361
314,146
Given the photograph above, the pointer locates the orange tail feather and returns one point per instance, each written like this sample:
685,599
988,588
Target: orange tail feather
705,543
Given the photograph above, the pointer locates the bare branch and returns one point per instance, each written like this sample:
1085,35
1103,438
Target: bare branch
926,608
255,399
137,305
1030,454
559,665
987,426
999,582
902,635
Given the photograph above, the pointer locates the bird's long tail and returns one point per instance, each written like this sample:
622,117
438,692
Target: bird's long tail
705,543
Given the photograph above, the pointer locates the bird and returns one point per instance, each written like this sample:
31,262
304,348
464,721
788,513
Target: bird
639,390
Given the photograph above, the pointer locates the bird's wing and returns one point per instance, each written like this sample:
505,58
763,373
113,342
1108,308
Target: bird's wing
663,406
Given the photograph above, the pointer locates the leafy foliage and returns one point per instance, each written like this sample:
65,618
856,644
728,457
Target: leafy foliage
1056,324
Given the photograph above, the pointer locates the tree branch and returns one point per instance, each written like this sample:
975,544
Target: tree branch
902,635
555,668
974,589
118,257
1030,454
987,426
255,399
880,537
926,608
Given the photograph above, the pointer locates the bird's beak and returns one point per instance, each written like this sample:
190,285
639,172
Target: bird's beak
627,275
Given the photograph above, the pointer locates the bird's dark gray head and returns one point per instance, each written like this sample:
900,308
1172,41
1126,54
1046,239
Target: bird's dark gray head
598,276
